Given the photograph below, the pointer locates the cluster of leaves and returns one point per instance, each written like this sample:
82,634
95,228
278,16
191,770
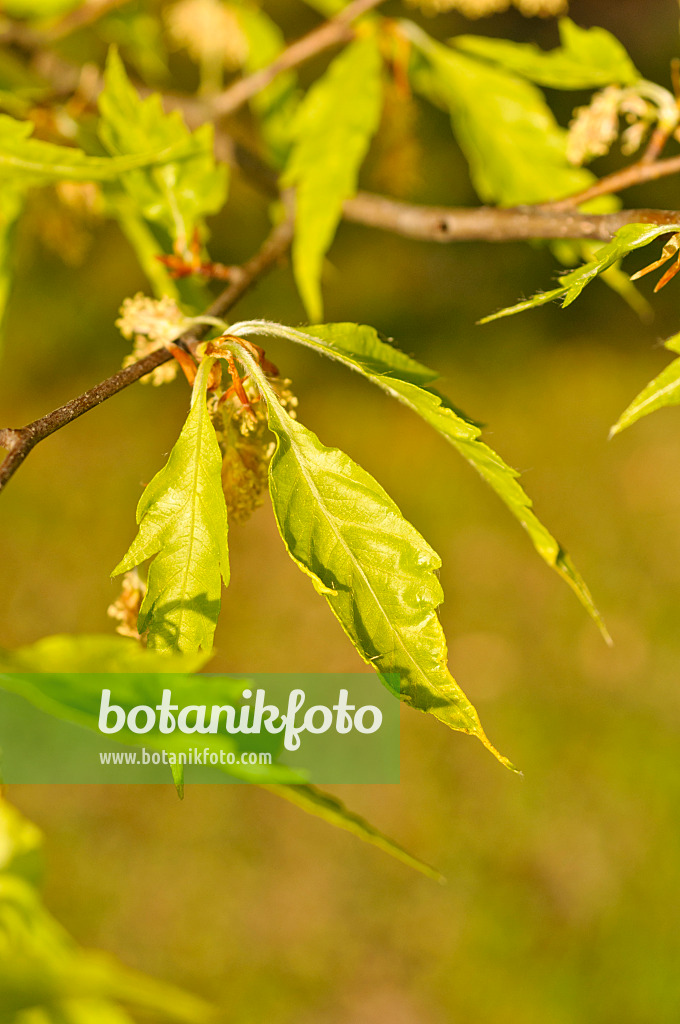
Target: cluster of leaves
45,976
161,181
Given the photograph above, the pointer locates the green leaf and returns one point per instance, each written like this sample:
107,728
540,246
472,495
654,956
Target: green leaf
626,240
516,151
11,206
96,653
333,811
179,193
20,845
182,518
332,131
587,58
662,391
42,966
29,162
360,348
374,569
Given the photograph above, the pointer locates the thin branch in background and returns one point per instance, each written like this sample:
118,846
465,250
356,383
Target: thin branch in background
20,442
331,33
636,174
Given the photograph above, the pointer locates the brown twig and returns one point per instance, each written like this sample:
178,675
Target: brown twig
19,443
635,174
331,33
489,224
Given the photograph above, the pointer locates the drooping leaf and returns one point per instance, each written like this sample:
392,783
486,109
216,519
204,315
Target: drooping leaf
182,520
360,348
374,569
333,811
96,653
331,133
178,193
75,697
29,162
626,240
516,151
662,391
587,58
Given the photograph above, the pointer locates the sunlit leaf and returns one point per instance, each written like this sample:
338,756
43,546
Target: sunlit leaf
20,844
516,151
587,58
333,811
360,348
662,391
626,240
374,569
96,653
178,193
41,966
182,520
30,162
331,133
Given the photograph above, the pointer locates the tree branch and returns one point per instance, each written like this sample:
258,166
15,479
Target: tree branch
489,224
331,33
19,443
635,174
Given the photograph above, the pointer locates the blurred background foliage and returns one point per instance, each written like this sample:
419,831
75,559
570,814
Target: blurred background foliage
561,887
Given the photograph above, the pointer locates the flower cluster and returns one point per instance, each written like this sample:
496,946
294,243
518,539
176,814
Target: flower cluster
209,31
246,445
125,610
152,322
483,8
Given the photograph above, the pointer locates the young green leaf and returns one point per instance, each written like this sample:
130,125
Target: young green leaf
662,391
178,193
588,58
331,133
360,348
333,811
29,162
516,151
626,240
93,652
41,966
182,520
374,569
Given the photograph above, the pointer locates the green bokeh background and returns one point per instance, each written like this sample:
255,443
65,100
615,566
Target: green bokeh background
561,902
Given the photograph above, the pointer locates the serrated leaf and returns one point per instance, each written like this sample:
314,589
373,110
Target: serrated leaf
178,193
516,151
333,811
96,653
625,241
664,390
29,162
372,566
331,134
587,58
182,518
360,348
